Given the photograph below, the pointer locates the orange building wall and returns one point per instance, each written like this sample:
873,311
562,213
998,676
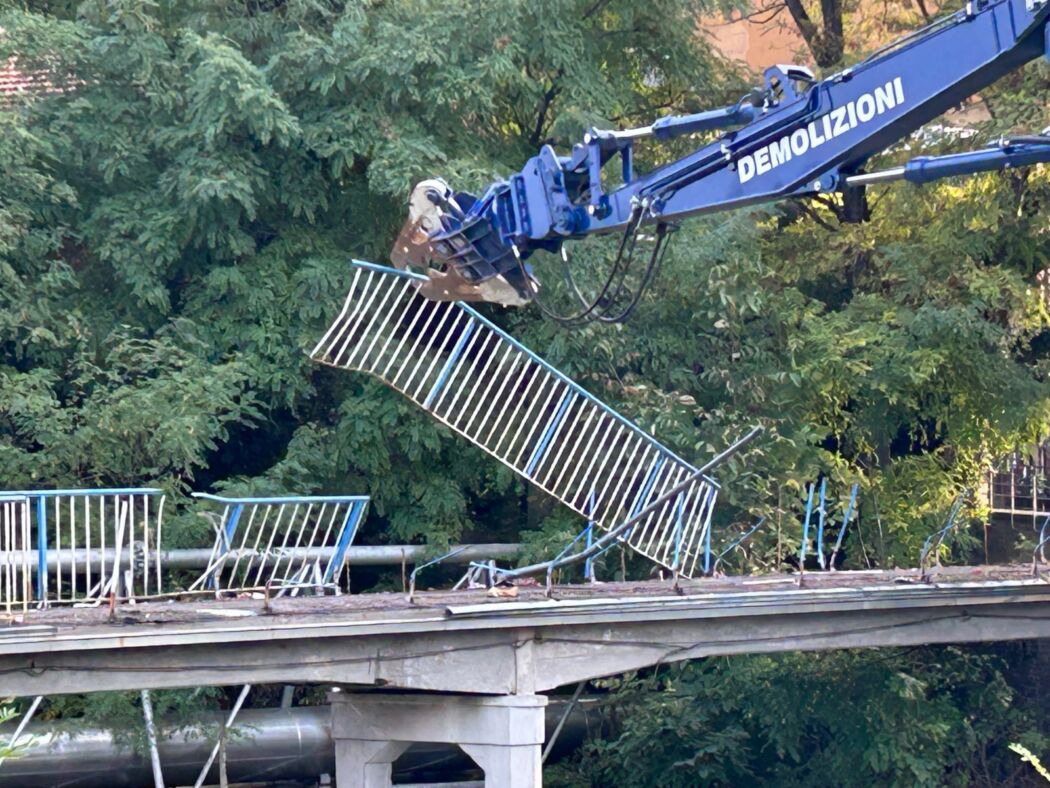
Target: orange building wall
757,45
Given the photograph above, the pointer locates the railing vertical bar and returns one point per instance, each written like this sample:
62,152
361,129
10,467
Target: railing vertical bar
433,349
453,357
508,421
259,531
346,538
461,372
353,325
805,529
469,379
339,320
548,433
498,397
537,406
396,354
556,465
58,553
492,378
268,550
41,549
603,452
635,473
821,516
535,422
413,351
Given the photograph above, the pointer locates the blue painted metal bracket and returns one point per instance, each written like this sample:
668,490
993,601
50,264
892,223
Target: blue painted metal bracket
432,562
821,514
450,363
933,543
709,503
41,548
736,543
541,449
805,530
351,525
845,523
1039,552
588,565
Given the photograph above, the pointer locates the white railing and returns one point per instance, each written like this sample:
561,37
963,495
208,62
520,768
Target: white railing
499,395
273,542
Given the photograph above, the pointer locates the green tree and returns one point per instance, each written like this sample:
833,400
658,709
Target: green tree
927,717
175,223
180,211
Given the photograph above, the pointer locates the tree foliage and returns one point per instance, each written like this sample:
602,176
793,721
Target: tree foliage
176,219
930,717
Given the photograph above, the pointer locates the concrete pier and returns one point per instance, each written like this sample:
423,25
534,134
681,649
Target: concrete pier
502,734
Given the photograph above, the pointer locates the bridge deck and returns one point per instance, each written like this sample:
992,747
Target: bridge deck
467,641
374,606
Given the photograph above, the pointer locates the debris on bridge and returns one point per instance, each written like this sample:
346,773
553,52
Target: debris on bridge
499,395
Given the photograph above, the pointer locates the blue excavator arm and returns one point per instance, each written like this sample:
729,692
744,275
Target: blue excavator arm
794,136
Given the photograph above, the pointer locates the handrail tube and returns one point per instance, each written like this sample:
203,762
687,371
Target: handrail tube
614,533
359,555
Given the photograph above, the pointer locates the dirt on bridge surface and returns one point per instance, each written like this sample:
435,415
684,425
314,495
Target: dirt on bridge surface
196,608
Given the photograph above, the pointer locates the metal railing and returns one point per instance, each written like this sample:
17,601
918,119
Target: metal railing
264,542
104,542
1039,551
930,555
485,385
821,511
1019,488
16,567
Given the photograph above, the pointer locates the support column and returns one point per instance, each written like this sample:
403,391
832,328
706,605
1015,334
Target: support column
519,767
366,764
502,734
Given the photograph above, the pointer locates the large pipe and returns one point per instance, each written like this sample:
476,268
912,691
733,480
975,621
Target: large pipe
268,745
275,744
362,555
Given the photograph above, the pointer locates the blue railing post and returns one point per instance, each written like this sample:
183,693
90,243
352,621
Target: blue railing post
821,515
450,363
679,511
845,522
650,479
41,548
349,531
588,565
548,433
231,529
707,538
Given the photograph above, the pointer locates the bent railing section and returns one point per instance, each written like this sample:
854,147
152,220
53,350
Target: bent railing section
492,390
272,542
86,546
100,542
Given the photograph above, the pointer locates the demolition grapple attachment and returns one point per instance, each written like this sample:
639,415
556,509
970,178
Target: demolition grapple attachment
441,242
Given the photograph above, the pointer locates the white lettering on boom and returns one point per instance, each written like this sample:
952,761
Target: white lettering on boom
840,120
